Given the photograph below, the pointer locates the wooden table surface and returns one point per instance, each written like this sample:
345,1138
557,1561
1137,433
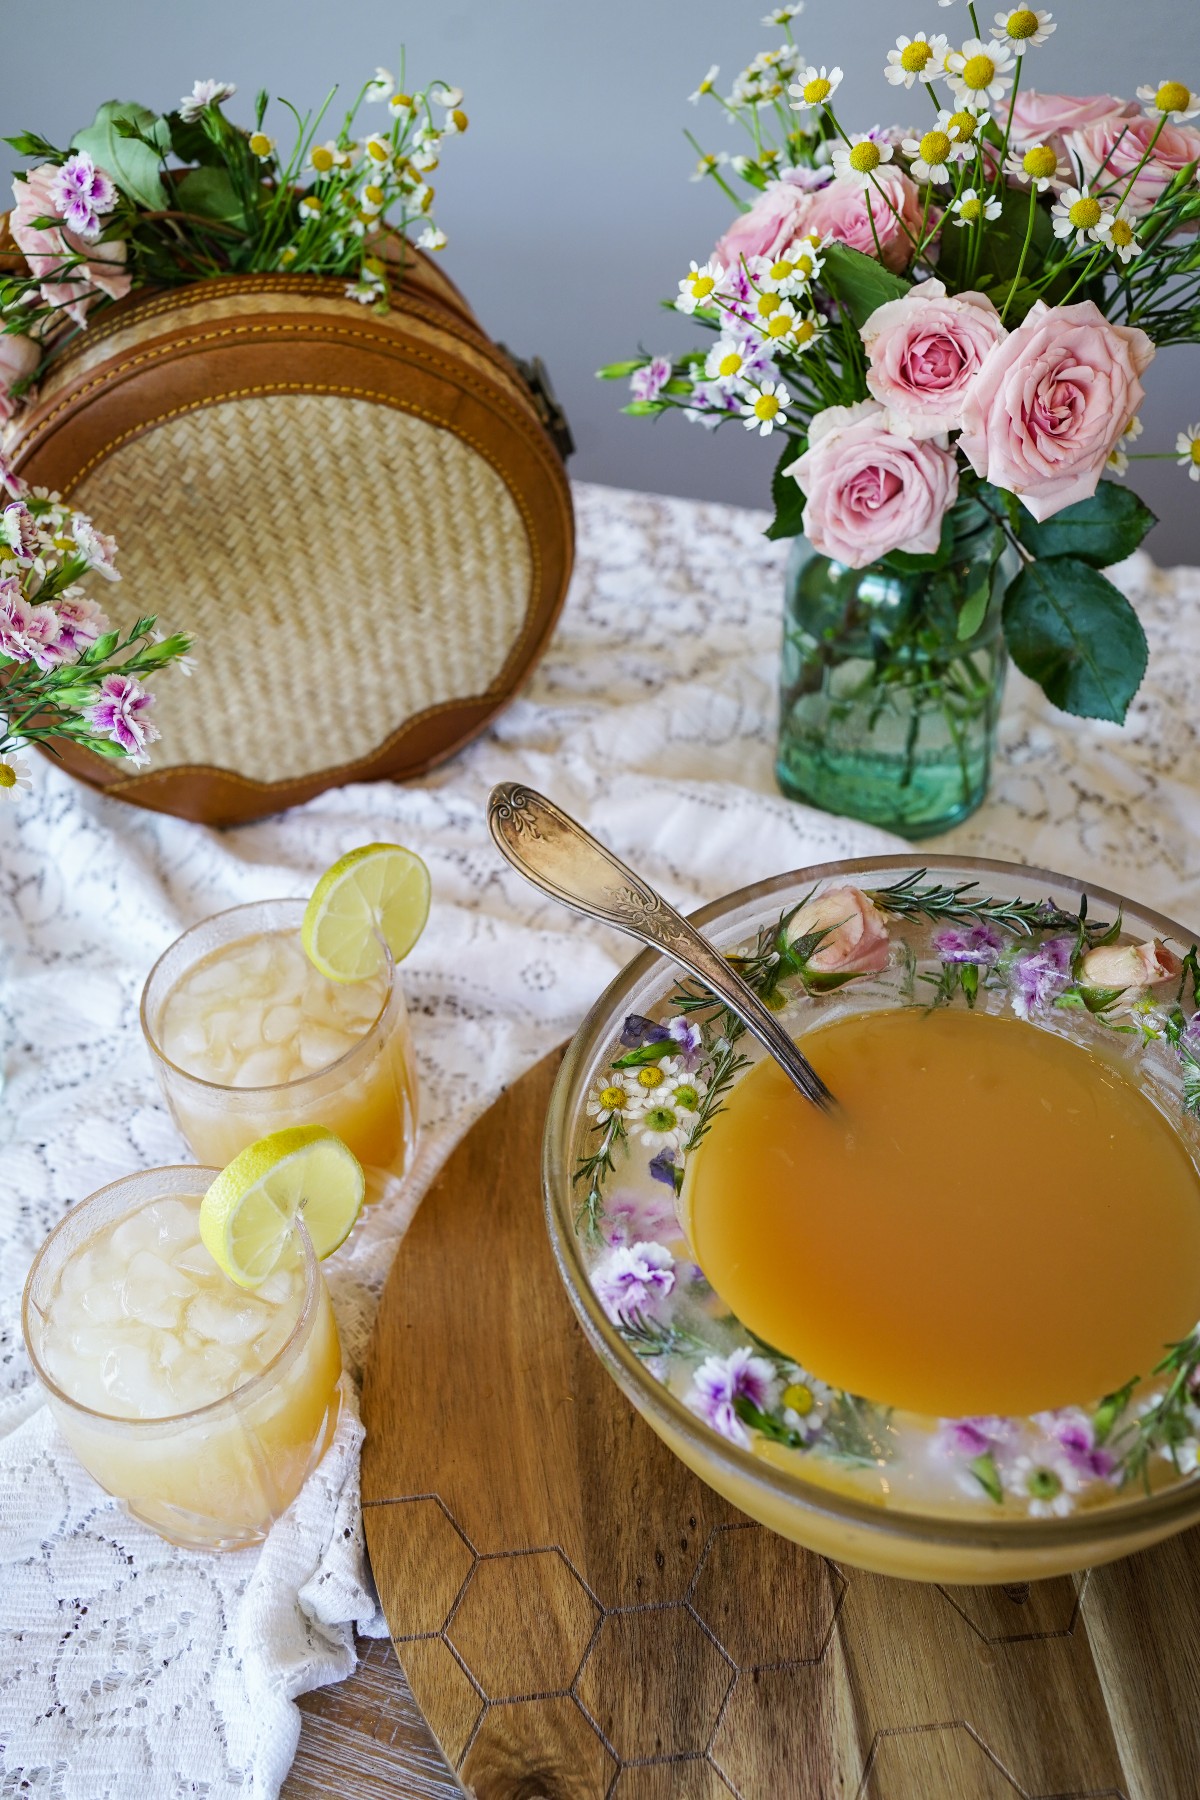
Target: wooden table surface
365,1738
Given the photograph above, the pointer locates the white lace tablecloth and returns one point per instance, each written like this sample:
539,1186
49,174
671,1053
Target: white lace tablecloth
129,1668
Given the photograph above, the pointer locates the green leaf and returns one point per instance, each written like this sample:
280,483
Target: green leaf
788,497
28,143
859,282
973,609
209,194
189,140
618,371
642,409
983,1468
133,165
1099,531
1073,633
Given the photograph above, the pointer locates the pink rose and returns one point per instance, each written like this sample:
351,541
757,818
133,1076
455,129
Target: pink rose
48,248
1051,401
1040,118
19,357
869,489
1120,144
857,940
840,211
1128,966
924,353
778,217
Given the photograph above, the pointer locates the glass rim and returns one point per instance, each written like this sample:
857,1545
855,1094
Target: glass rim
1157,1512
275,1087
198,1177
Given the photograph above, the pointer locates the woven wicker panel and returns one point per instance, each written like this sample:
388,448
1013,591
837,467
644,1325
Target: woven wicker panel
302,535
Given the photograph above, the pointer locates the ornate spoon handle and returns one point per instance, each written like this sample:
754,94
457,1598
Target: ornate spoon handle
557,855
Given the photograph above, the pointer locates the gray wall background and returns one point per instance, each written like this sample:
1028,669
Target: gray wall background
568,206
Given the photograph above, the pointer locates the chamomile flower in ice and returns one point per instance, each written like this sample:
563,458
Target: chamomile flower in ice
766,410
609,1100
1173,99
971,207
1118,456
979,72
1039,166
1122,235
706,86
1079,213
916,59
814,87
699,286
1022,27
932,155
1187,449
381,85
662,1127
805,1402
858,160
14,777
1047,1485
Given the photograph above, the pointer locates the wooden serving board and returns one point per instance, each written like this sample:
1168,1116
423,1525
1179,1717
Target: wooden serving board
578,1615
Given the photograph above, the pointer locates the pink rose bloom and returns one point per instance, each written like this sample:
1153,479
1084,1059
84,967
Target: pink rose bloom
1051,401
869,489
1041,118
924,352
1120,144
47,249
840,211
1128,966
778,217
857,943
19,357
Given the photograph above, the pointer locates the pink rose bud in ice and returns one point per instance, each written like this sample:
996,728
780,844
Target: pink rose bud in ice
1050,402
924,352
869,488
1126,966
857,936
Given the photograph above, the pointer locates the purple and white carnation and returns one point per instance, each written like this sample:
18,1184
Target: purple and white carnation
807,179
1075,1434
204,93
99,548
977,944
1041,976
82,193
980,1436
80,623
10,481
18,529
720,1381
649,382
710,403
633,1216
119,714
633,1278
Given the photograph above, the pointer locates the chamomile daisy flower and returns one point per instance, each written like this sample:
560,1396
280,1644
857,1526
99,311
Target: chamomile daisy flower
381,85
432,238
706,86
1039,166
1122,235
1175,99
727,362
931,156
980,72
777,326
1022,27
859,159
442,95
261,145
1080,213
14,777
1187,446
699,286
323,159
969,124
609,1100
766,410
783,15
1118,457
310,207
708,165
916,59
814,87
971,207
805,332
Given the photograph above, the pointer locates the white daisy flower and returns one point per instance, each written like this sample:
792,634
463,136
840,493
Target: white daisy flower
365,290
804,1403
1187,446
796,269
708,165
859,159
310,207
1173,98
1187,1456
449,97
706,86
1047,1483
726,362
381,85
814,87
980,72
970,123
783,15
662,1128
805,332
1118,459
699,286
261,145
971,206
931,156
400,103
766,410
684,1092
14,777
204,93
1078,211
372,198
916,59
1122,235
1027,25
1039,165
778,325
376,149
456,122
651,1083
608,1100
324,158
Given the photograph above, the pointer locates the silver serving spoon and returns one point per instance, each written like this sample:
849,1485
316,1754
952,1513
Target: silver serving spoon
557,855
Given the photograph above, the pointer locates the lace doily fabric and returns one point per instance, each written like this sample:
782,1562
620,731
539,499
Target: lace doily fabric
128,1667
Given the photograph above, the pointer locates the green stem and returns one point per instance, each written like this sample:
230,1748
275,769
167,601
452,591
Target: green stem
1016,280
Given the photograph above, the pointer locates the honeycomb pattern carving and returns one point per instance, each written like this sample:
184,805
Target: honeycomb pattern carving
1021,1612
766,1599
523,1625
685,1676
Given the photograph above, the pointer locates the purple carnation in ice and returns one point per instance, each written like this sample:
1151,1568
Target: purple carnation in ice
979,944
633,1278
1039,977
722,1380
1074,1432
630,1217
977,1436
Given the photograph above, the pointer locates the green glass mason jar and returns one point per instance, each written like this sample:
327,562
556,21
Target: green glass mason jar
891,681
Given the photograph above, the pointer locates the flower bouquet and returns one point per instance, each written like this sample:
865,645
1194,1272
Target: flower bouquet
946,325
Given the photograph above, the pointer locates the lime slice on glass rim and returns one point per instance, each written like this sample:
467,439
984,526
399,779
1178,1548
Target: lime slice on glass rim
248,1214
374,896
